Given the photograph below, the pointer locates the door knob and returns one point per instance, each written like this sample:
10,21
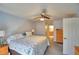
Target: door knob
65,38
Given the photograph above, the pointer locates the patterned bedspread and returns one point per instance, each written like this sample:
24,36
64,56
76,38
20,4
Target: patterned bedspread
31,45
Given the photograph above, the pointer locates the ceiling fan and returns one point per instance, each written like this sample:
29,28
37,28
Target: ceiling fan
43,16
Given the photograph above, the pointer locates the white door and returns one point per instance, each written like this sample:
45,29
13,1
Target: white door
71,35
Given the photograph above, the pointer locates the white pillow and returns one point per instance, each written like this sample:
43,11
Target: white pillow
17,36
28,33
14,37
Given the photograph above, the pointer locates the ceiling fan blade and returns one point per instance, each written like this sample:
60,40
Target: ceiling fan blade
37,17
44,16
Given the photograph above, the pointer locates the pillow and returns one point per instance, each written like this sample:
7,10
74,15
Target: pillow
28,33
14,37
17,36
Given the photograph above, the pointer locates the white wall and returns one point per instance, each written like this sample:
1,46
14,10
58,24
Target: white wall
40,28
14,24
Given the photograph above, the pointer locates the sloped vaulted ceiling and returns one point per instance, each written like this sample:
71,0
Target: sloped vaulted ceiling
28,10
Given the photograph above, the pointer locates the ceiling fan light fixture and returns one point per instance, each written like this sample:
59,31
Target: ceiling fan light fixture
41,19
43,13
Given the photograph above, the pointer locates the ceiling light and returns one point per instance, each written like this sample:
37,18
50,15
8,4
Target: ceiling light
51,28
41,19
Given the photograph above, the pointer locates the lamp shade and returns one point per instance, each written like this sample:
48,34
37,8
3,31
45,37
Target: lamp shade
2,33
33,30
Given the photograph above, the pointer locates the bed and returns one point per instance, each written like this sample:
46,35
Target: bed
28,45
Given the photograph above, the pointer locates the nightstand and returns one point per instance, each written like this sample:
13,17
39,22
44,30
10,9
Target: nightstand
76,50
4,49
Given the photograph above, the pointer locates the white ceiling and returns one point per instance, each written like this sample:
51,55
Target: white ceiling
29,10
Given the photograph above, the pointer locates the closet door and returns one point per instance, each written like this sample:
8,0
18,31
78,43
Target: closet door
71,35
59,35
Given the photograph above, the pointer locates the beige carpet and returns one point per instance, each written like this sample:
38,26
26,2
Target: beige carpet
55,49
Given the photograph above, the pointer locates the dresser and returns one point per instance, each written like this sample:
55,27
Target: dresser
4,49
76,50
